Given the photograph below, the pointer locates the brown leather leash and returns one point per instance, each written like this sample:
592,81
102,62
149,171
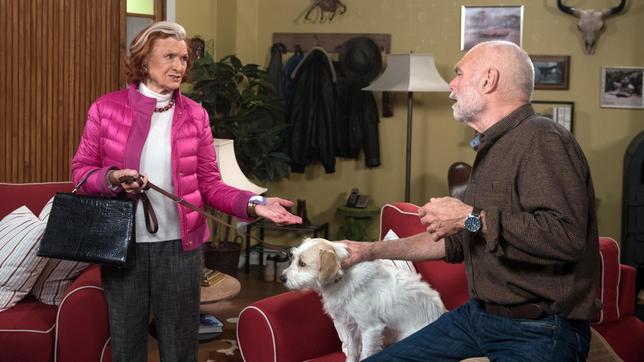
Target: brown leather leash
152,224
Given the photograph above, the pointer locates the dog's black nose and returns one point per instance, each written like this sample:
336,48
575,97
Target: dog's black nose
283,278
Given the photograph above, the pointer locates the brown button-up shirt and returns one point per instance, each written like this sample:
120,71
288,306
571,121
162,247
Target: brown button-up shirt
533,183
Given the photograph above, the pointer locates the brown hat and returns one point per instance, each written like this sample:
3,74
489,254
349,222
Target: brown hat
361,60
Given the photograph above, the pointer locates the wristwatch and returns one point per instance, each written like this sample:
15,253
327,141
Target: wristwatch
473,220
252,202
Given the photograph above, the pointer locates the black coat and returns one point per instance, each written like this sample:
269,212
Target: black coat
357,125
313,113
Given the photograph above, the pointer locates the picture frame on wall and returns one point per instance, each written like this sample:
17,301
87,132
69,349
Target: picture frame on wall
484,23
561,112
621,87
551,71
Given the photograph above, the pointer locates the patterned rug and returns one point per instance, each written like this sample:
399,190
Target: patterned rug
225,348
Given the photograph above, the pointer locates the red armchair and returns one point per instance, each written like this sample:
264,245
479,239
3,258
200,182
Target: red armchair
293,327
76,330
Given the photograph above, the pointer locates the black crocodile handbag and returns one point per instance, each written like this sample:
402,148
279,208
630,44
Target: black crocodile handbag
91,229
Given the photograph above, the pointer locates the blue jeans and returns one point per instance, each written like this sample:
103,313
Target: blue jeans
469,331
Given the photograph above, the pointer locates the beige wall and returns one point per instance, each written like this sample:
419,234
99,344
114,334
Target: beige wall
199,17
433,26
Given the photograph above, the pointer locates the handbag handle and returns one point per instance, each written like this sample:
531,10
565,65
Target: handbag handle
84,180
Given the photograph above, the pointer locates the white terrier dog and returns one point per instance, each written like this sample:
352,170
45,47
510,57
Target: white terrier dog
372,304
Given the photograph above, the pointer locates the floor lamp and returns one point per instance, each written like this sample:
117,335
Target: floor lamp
409,73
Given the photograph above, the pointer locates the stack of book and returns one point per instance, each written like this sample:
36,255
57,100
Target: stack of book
208,324
211,277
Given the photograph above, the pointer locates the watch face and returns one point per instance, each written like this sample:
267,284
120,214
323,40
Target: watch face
473,223
258,200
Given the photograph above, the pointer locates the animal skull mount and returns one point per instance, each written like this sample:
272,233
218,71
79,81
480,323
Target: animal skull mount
591,22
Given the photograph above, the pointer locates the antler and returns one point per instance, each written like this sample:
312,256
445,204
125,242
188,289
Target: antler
617,9
608,12
591,22
565,9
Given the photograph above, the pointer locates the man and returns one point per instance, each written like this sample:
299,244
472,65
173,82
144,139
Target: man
526,228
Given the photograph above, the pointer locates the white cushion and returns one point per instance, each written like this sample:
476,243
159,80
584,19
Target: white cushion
57,274
402,264
20,233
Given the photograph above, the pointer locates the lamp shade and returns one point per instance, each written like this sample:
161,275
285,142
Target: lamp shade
229,169
410,73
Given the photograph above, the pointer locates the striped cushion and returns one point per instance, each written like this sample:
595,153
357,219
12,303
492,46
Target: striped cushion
20,233
57,274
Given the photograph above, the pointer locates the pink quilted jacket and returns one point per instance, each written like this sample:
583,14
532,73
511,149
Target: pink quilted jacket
117,127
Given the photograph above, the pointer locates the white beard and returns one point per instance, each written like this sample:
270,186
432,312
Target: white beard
468,105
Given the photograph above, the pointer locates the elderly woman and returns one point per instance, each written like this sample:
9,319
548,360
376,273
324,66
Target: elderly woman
151,131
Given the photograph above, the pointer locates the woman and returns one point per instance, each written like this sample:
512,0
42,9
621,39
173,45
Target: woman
150,130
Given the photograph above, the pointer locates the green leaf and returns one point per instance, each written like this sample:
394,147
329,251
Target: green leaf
242,105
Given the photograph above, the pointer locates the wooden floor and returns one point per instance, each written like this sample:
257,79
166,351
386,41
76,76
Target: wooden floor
253,287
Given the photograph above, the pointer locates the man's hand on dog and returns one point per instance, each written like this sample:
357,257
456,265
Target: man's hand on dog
443,216
358,252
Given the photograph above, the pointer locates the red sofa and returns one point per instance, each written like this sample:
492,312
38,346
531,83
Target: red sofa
78,329
292,326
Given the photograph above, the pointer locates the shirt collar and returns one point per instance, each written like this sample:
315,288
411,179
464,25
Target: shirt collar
487,138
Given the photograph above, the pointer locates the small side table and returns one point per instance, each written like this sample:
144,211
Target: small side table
225,289
356,222
263,225
228,288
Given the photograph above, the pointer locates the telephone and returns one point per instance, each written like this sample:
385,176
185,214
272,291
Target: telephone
356,200
353,198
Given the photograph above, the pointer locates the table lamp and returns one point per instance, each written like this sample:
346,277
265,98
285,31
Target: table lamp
229,169
409,73
232,175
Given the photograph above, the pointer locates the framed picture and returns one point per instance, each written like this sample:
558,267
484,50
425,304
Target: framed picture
483,23
561,112
622,87
551,71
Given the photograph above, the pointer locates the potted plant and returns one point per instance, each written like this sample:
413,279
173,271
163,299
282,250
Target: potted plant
242,106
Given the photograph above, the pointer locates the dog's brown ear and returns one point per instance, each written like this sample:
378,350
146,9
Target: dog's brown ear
329,266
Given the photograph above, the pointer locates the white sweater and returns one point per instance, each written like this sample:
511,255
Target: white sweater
156,164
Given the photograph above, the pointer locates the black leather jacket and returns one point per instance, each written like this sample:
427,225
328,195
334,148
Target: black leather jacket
313,113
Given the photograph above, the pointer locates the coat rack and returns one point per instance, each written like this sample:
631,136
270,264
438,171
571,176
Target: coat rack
331,42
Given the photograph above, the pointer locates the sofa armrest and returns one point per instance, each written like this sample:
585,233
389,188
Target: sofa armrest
287,327
626,290
82,326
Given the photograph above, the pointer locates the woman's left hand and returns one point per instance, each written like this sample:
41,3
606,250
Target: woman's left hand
276,211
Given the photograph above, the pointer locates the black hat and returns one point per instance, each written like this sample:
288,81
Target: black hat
360,60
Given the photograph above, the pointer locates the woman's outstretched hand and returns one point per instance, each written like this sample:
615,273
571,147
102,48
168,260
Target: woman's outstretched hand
276,211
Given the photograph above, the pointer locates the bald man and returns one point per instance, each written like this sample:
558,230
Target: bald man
526,228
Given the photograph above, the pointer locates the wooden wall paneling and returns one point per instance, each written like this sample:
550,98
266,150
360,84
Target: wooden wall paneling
20,86
5,50
57,57
4,88
49,109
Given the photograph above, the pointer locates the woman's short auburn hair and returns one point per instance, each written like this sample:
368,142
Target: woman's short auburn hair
142,45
